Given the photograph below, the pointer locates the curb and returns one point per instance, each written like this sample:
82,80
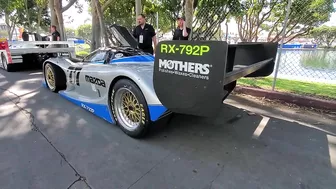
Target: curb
287,97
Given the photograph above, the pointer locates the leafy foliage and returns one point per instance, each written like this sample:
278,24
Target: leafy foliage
304,16
31,14
254,16
70,32
324,35
84,31
120,12
8,10
209,15
35,15
167,10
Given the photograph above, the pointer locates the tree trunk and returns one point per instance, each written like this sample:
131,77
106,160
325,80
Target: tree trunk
96,30
101,22
189,10
58,12
30,27
54,20
39,17
9,27
138,9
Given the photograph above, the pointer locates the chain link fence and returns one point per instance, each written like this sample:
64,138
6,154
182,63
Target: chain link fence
302,56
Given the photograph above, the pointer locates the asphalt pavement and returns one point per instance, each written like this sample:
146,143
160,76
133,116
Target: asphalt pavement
48,142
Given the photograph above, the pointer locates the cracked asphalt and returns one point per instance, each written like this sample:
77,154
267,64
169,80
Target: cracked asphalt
47,142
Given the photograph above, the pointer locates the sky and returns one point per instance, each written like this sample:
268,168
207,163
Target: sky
73,19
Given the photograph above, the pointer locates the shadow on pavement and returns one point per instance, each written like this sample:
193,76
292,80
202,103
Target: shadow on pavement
236,149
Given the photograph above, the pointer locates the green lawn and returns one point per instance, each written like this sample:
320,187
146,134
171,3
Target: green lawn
298,87
82,50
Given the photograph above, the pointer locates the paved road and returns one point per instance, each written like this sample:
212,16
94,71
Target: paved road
248,145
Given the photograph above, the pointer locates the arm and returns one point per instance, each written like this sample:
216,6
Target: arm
154,41
185,33
154,37
189,32
58,38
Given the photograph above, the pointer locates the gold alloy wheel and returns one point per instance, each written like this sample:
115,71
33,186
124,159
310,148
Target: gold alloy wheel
50,77
128,109
131,107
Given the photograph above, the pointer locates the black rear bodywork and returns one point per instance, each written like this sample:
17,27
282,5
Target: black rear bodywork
182,88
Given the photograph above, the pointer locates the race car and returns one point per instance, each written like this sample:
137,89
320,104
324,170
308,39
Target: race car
133,89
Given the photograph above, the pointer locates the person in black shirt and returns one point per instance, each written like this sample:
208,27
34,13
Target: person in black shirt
145,35
56,36
182,32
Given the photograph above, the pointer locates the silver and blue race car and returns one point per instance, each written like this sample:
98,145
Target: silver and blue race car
133,89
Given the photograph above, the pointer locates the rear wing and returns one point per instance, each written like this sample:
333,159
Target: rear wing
190,76
32,47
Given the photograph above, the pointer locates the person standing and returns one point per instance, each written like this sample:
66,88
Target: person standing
145,35
56,36
182,32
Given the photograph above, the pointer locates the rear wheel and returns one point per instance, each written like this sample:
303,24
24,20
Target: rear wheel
129,108
54,78
5,65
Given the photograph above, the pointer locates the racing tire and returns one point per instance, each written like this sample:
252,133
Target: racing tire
129,108
54,77
5,65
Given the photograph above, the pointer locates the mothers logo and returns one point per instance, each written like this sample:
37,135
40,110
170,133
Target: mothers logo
190,69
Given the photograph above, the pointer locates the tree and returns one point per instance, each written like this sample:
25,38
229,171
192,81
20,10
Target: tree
9,10
31,14
189,12
100,16
84,31
113,12
324,35
250,16
34,15
70,32
209,15
254,16
56,12
168,11
43,18
98,22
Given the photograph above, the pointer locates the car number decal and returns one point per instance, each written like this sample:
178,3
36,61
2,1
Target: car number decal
74,75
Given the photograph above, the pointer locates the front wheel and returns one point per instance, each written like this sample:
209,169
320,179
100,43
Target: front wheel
129,108
8,68
54,77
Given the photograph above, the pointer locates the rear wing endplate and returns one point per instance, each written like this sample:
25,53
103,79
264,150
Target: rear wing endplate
189,76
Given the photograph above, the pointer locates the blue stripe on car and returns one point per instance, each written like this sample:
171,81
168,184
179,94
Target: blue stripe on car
100,110
138,58
155,111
